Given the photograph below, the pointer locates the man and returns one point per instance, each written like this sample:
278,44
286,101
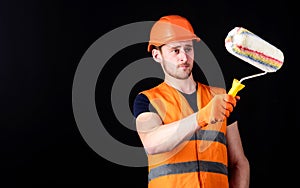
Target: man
182,123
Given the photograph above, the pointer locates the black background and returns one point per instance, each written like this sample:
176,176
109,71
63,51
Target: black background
41,44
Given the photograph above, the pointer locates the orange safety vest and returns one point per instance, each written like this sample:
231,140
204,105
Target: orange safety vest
200,161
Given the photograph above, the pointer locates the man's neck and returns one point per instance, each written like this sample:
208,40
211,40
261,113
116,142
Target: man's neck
187,86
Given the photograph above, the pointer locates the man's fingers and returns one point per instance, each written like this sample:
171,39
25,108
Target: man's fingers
230,99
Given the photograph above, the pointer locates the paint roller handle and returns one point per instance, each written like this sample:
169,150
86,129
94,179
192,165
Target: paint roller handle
236,87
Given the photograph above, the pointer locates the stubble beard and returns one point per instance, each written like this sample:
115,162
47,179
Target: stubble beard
178,74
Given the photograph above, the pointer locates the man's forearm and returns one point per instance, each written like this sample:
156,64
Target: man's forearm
166,137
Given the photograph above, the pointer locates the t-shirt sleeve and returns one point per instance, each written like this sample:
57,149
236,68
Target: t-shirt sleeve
140,105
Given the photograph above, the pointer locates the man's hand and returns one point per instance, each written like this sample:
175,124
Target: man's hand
217,109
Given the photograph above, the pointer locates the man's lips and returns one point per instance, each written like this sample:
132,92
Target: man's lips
184,66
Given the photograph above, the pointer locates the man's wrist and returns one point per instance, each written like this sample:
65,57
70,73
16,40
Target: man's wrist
200,120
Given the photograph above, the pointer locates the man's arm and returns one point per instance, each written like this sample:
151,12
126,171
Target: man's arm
157,137
239,167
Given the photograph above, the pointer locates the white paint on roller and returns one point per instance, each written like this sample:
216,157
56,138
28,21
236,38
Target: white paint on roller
248,40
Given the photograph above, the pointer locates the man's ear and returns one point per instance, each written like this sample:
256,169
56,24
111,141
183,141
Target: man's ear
156,55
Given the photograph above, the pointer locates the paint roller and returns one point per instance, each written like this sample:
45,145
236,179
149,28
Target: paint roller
252,49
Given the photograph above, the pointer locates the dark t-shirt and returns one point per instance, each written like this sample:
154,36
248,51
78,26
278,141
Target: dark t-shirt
142,104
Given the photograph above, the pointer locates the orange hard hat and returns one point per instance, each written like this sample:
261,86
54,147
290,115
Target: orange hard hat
169,29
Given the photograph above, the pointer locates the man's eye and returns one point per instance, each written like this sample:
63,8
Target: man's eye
176,51
188,49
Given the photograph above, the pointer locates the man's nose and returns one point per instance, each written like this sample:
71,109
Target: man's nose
183,56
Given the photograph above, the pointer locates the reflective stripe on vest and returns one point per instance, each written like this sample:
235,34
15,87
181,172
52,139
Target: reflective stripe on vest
210,135
186,167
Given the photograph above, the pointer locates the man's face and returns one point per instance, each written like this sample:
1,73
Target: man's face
177,59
